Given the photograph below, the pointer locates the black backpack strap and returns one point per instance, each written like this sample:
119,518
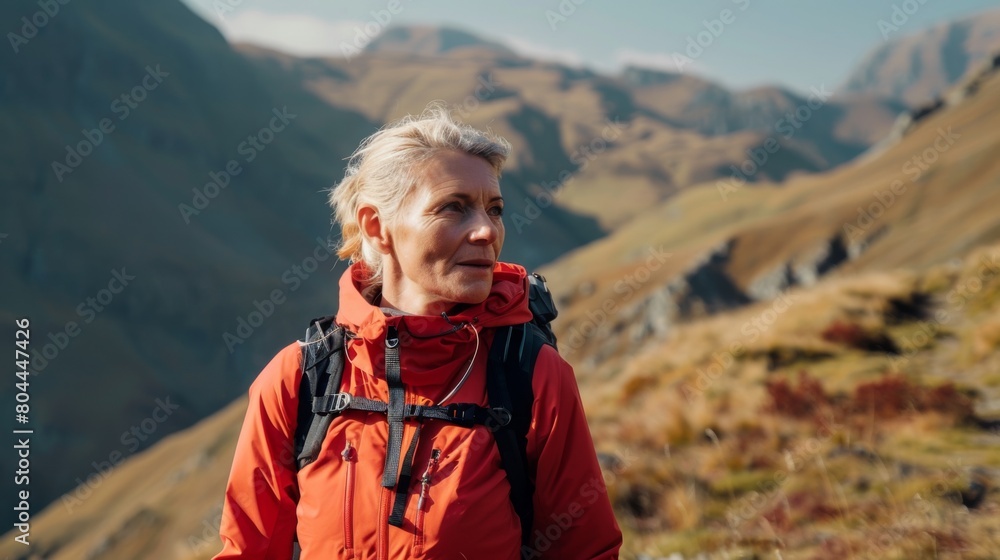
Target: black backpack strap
542,306
461,414
322,369
510,369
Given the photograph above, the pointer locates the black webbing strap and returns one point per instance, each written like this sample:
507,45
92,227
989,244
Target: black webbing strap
403,488
462,414
509,369
324,344
397,402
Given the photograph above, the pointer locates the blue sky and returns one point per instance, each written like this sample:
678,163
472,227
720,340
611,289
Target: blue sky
792,43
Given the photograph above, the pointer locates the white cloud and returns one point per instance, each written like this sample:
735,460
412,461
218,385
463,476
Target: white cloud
530,49
671,62
297,34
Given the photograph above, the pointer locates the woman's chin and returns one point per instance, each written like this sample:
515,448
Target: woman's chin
473,292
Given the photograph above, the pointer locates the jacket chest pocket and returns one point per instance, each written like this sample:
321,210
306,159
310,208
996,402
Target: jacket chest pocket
424,501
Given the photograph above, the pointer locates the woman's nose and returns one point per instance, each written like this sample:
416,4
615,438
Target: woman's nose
485,230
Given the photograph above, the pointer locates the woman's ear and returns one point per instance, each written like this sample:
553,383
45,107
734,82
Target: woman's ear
374,229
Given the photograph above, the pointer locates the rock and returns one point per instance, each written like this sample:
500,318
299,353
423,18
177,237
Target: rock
772,283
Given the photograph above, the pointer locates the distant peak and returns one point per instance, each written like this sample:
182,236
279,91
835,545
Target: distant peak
646,76
430,41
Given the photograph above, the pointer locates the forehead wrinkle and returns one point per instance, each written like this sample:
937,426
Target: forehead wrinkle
453,184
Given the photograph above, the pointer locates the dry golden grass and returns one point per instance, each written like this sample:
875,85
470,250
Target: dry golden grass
717,462
986,338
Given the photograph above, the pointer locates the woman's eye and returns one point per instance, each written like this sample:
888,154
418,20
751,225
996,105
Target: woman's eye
452,207
496,211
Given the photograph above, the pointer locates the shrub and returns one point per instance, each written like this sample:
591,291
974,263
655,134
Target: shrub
895,395
946,399
802,401
889,397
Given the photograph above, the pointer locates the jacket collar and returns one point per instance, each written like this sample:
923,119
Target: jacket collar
432,348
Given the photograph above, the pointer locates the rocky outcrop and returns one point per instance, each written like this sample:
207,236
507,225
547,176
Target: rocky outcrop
706,288
804,269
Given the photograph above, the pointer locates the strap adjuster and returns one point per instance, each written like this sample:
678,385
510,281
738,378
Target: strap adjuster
335,403
462,413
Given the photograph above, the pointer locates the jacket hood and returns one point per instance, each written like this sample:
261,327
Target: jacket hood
432,348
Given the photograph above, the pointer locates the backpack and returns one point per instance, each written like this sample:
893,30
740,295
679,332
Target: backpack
509,370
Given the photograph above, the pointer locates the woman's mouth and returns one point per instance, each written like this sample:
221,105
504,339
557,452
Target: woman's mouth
479,264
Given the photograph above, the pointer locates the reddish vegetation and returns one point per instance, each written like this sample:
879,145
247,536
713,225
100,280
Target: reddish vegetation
853,335
889,397
947,399
802,401
848,334
893,396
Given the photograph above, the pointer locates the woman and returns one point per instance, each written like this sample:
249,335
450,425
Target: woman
420,212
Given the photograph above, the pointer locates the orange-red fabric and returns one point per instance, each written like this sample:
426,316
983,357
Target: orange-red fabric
337,505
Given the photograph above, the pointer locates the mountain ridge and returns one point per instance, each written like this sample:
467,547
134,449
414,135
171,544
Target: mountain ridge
917,67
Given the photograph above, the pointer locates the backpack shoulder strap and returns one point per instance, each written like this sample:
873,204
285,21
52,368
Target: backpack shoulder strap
542,306
322,369
509,372
510,369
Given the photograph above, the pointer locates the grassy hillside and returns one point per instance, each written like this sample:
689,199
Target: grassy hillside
927,198
854,419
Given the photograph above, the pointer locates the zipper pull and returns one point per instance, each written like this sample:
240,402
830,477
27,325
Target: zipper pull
425,479
346,453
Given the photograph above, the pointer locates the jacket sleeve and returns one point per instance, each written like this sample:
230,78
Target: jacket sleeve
258,515
573,515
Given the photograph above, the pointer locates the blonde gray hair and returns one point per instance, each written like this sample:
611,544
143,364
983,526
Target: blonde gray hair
384,168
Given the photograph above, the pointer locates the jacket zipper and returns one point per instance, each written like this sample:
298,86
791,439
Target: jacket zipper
383,527
425,482
350,457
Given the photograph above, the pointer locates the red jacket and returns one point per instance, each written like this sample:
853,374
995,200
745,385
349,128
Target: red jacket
337,505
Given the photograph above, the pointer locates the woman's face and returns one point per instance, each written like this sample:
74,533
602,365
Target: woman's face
446,237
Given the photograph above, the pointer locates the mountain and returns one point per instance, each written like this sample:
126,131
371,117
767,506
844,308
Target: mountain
806,367
693,102
432,41
918,67
711,438
918,202
605,146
